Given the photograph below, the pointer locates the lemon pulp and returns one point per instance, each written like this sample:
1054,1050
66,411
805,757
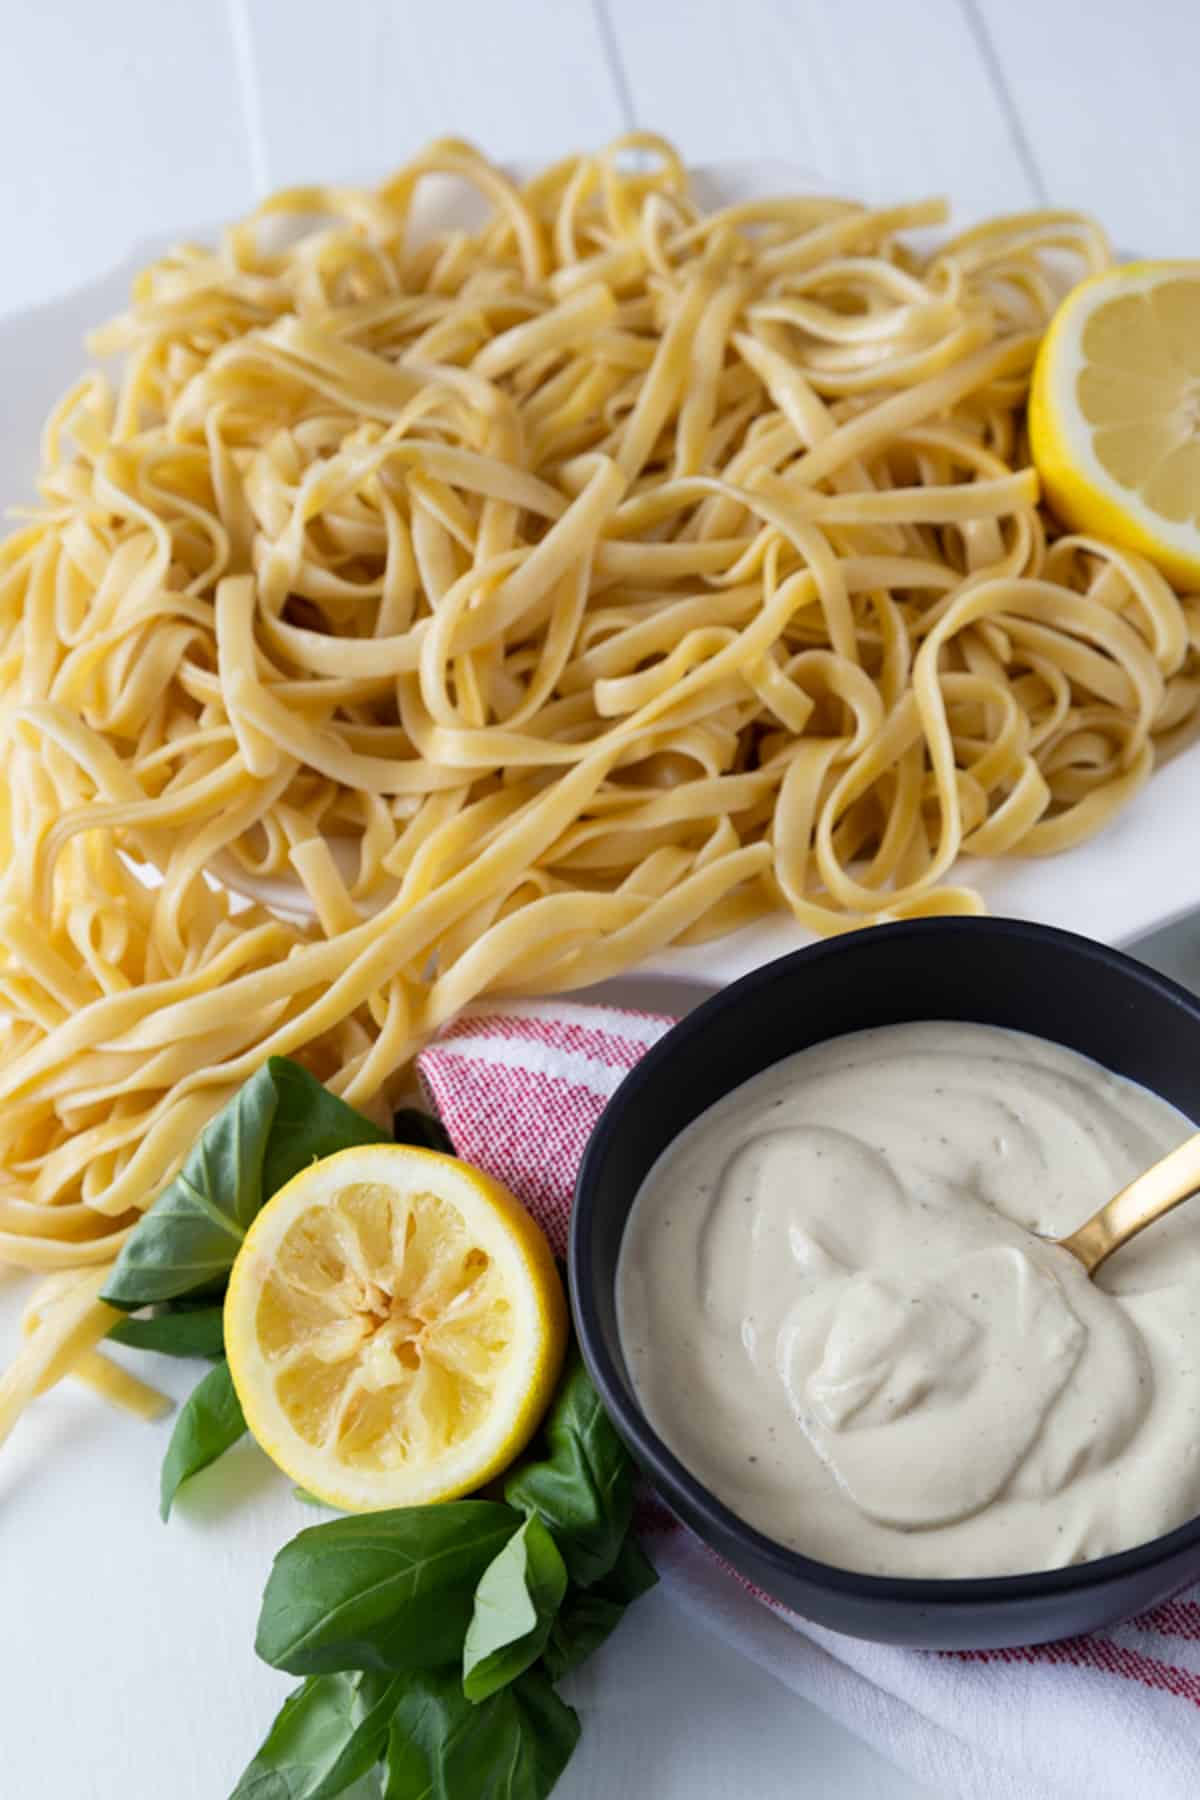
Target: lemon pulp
1115,412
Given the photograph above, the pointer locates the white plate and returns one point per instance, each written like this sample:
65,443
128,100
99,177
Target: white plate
1142,873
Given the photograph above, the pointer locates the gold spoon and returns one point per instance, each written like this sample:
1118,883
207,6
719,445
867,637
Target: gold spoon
1164,1186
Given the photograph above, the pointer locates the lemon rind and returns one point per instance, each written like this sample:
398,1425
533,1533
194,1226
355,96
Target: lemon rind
1076,483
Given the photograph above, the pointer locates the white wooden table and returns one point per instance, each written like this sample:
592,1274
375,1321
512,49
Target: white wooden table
126,1659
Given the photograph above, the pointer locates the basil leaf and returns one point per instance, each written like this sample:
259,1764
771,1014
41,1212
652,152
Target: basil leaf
588,1615
518,1595
412,1126
583,1491
327,1735
197,1332
209,1421
385,1590
511,1747
309,1123
281,1120
191,1234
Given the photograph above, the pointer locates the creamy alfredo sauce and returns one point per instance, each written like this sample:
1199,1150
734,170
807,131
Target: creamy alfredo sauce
834,1310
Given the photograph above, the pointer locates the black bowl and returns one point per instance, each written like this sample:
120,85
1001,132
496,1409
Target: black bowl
995,971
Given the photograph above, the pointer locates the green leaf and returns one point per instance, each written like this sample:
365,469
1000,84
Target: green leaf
196,1332
518,1595
583,1490
386,1590
412,1126
513,1746
309,1123
191,1234
588,1615
209,1421
325,1737
281,1120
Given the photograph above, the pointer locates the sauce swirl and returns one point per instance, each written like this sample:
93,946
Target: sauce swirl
838,1308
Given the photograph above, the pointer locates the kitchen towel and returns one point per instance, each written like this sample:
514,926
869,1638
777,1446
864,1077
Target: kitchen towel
519,1088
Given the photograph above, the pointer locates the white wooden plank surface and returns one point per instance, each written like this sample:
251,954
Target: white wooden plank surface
1106,99
135,117
118,120
884,100
527,77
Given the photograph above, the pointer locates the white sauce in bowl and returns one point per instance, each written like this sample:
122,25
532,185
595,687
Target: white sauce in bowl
835,1310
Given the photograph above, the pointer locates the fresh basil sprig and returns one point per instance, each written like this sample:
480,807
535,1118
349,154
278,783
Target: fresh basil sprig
190,1236
387,1590
588,1615
412,1126
184,1246
583,1490
191,1331
514,1746
329,1733
209,1422
281,1120
516,1603
464,1614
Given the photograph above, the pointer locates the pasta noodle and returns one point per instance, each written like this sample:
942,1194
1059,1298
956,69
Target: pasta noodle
442,614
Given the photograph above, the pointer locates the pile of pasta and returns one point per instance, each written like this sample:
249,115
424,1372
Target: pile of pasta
420,615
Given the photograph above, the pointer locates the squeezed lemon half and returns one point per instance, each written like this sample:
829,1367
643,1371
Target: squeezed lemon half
1114,413
395,1325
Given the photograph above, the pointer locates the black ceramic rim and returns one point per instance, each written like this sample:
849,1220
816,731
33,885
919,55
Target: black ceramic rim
680,1487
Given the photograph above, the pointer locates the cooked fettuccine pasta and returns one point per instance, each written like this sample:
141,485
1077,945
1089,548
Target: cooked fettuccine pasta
419,616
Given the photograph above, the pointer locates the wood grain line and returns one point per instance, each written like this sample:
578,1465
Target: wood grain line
249,84
615,61
1022,148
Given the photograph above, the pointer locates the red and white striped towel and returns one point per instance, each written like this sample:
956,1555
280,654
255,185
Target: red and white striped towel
519,1089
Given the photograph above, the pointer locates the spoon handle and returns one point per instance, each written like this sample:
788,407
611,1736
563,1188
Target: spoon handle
1174,1179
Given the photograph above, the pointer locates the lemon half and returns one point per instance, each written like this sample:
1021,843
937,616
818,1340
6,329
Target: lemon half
395,1325
1114,413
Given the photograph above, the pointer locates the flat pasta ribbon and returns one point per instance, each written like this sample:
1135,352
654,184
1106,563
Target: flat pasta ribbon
424,615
